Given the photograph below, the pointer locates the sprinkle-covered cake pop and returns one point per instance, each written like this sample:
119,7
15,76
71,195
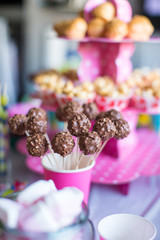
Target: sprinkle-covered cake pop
72,108
90,143
122,129
60,114
36,145
37,112
36,125
63,143
66,111
90,110
17,124
111,114
105,128
79,124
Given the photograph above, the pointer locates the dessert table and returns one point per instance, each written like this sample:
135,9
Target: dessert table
142,199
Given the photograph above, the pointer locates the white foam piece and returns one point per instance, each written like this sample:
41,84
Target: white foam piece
37,218
9,212
36,191
65,205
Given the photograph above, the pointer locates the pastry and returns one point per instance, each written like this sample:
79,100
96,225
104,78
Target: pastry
76,29
140,28
105,10
116,29
96,27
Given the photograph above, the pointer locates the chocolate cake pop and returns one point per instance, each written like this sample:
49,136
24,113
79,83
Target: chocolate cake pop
36,145
37,112
17,124
90,110
111,114
122,128
79,124
63,143
60,114
105,128
36,125
90,143
72,108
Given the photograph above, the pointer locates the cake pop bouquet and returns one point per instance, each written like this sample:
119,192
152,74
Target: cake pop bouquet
81,138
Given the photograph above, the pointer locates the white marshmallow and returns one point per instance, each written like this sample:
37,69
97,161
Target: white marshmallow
36,191
9,212
37,218
65,205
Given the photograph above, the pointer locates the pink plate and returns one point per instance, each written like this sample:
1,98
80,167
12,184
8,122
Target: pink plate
142,160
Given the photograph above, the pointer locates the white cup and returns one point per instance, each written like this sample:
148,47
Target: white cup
126,227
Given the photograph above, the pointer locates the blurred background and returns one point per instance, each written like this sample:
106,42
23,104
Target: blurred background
27,44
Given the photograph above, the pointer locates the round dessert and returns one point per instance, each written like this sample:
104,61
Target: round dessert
116,29
36,125
96,27
60,114
90,143
140,28
71,108
37,112
111,114
17,124
105,128
63,143
76,29
79,124
36,145
90,110
105,11
122,129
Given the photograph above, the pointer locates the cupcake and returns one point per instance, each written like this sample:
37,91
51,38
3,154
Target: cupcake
116,29
140,28
96,27
105,10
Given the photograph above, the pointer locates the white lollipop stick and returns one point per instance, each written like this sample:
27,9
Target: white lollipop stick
50,149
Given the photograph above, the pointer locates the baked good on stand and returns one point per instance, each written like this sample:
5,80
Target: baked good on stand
116,29
105,11
96,27
140,28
